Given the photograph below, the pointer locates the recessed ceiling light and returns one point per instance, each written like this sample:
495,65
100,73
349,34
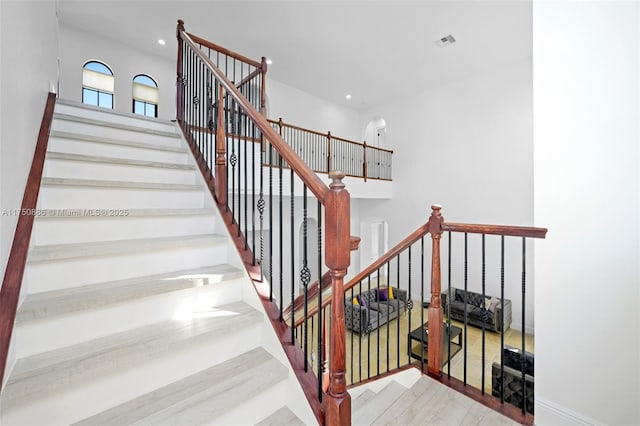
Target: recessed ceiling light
161,42
446,41
348,96
269,61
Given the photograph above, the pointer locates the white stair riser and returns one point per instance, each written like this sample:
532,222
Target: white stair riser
81,197
126,383
76,327
261,405
86,229
108,115
55,275
114,133
132,173
76,146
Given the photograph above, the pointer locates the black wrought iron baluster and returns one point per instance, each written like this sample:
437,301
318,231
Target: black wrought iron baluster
233,160
378,328
389,282
407,306
320,319
270,148
466,301
305,273
246,179
485,312
449,301
359,338
280,230
351,349
502,318
241,156
292,241
367,329
522,332
227,132
422,331
261,205
253,189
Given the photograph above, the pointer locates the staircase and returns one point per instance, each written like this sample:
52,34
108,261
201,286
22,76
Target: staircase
136,308
418,400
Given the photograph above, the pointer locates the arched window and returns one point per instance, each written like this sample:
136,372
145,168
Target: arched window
145,95
97,84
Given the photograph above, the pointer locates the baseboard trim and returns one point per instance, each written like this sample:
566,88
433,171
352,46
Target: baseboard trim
548,412
518,326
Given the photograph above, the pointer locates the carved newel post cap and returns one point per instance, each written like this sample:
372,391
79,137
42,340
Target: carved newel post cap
436,207
336,177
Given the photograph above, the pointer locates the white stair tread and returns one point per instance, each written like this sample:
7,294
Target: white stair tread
377,405
106,123
130,213
409,398
52,155
100,248
200,397
58,302
282,417
50,181
113,141
39,375
362,399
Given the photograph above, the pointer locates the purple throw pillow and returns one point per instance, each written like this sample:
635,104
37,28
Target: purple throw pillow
362,301
383,294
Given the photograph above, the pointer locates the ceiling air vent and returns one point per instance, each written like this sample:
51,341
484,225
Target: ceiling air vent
446,41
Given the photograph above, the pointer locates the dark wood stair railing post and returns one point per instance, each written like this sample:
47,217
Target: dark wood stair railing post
364,160
328,152
179,85
263,87
221,154
338,241
434,340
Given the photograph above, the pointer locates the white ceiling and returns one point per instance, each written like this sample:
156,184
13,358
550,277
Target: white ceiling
374,50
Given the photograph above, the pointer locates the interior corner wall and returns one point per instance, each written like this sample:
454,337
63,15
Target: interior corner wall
78,46
311,112
467,146
29,51
587,143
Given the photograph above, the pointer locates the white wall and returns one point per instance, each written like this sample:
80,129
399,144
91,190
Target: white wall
29,51
305,110
78,46
586,109
467,146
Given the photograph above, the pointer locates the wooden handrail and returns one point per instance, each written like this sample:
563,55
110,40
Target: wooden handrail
315,132
516,231
391,254
512,231
12,282
223,50
313,182
250,77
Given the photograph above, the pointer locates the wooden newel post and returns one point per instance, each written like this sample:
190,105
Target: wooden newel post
337,404
364,160
221,154
179,85
434,342
328,152
263,87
